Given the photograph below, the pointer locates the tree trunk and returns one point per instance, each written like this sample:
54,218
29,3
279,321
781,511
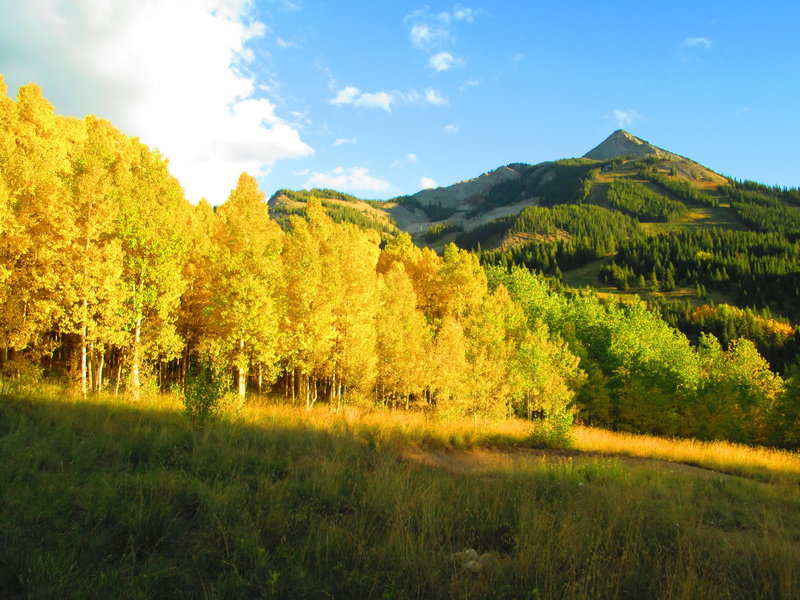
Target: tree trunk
241,372
119,375
136,360
83,365
101,364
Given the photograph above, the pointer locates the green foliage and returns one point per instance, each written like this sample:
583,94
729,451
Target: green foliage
437,231
764,209
756,269
478,236
684,190
591,232
204,394
19,375
639,201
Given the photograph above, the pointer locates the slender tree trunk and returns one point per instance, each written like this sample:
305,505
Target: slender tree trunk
100,365
90,366
241,371
119,375
260,377
136,359
83,364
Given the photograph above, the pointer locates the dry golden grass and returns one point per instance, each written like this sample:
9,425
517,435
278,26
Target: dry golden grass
757,462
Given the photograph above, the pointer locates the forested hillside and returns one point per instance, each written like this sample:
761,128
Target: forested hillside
110,279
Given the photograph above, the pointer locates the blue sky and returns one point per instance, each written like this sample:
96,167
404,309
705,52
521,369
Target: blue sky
383,98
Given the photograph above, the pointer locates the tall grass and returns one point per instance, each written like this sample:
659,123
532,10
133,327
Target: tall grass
757,462
104,499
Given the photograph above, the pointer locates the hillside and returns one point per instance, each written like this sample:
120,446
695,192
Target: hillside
627,219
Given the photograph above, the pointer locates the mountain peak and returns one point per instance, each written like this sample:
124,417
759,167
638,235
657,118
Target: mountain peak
622,143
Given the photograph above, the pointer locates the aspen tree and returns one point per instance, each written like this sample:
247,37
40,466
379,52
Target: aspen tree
94,310
32,167
152,221
247,298
404,338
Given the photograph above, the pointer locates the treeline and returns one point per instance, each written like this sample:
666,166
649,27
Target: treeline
108,270
776,340
109,275
566,181
437,231
757,269
644,375
591,233
786,193
340,213
683,190
639,201
763,209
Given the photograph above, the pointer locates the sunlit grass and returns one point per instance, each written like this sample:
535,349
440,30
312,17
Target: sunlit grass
108,498
726,457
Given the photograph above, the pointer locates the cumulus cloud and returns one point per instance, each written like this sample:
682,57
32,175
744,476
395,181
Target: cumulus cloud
427,183
624,118
451,129
352,179
444,61
697,42
173,73
343,141
386,100
411,157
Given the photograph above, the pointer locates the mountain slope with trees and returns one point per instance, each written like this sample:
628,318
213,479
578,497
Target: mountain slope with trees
110,278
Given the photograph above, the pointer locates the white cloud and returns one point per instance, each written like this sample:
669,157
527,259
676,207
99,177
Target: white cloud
343,141
426,36
624,118
469,83
428,30
517,58
283,43
435,97
382,100
452,129
427,183
386,100
411,157
464,14
444,61
173,73
353,179
346,95
697,42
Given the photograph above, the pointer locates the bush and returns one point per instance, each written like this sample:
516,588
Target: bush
19,375
203,397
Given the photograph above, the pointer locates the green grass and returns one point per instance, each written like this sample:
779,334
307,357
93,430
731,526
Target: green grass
104,499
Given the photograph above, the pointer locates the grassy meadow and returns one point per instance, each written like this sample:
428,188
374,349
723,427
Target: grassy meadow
108,499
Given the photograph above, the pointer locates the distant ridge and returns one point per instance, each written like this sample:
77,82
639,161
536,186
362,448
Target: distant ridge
622,143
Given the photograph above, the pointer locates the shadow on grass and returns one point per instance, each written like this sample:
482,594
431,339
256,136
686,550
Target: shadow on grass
112,501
